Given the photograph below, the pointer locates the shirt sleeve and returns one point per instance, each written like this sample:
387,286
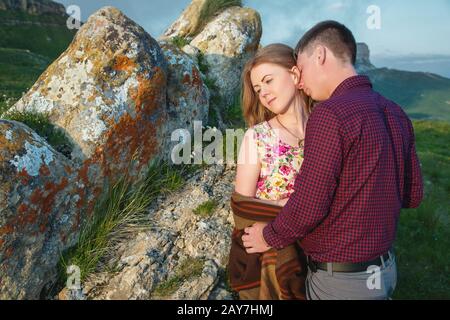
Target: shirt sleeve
413,192
315,184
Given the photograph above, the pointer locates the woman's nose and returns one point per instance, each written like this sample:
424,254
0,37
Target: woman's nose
264,92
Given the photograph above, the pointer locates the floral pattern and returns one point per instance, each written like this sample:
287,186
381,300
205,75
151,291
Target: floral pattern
280,164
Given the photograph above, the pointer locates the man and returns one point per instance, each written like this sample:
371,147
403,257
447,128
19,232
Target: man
360,169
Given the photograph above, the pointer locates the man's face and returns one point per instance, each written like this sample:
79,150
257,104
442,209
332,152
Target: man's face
311,75
304,65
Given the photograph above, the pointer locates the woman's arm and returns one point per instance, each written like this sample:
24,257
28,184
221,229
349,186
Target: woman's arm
248,166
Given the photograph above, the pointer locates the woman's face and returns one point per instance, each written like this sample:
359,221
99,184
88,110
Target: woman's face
275,86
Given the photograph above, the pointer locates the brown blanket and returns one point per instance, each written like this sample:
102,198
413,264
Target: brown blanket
275,274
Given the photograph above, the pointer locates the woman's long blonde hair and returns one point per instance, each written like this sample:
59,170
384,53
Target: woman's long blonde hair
254,112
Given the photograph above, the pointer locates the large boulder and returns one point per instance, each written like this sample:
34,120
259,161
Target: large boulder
107,92
227,42
187,95
189,22
38,211
153,259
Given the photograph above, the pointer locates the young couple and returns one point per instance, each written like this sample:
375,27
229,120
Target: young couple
319,187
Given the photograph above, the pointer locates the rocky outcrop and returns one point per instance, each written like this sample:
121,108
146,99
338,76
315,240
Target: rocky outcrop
227,42
187,95
363,63
108,94
177,235
189,22
39,195
117,95
34,7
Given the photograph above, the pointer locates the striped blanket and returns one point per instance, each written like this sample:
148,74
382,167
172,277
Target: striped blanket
273,275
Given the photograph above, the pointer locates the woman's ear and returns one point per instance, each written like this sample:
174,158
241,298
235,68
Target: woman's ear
295,75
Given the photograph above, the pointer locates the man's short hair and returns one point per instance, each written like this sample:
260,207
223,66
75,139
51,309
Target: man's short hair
332,34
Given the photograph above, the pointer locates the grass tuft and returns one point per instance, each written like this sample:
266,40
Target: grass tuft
180,42
206,209
189,268
120,213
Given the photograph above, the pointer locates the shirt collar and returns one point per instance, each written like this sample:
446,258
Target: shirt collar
351,83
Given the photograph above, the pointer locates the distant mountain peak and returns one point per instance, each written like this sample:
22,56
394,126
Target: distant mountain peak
34,7
363,63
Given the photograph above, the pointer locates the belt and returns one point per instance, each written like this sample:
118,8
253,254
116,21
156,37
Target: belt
348,267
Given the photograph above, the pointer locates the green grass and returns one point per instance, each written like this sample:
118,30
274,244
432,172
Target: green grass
423,239
41,124
48,36
206,209
202,65
189,268
233,117
120,212
26,49
19,69
423,96
180,42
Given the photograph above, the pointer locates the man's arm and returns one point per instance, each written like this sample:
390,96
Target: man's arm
413,192
316,183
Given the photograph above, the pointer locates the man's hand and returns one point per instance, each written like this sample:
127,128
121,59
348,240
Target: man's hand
253,239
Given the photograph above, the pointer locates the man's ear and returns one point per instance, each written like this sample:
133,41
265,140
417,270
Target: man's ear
321,54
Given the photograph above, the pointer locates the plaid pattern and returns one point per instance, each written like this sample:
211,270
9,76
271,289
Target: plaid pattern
360,169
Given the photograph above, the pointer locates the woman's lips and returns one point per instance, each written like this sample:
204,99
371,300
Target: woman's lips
270,102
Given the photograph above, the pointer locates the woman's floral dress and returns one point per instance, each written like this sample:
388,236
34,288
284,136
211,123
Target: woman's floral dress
280,164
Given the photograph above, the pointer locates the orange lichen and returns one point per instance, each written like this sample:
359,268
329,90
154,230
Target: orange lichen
83,172
123,63
186,79
44,171
36,196
53,189
6,229
149,90
68,170
23,175
9,252
26,215
22,208
196,78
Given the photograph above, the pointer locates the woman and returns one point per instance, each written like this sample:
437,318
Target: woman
270,157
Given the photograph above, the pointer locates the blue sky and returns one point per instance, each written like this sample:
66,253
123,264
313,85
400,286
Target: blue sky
414,35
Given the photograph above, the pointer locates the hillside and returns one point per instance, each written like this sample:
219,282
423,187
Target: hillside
422,95
32,35
19,69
